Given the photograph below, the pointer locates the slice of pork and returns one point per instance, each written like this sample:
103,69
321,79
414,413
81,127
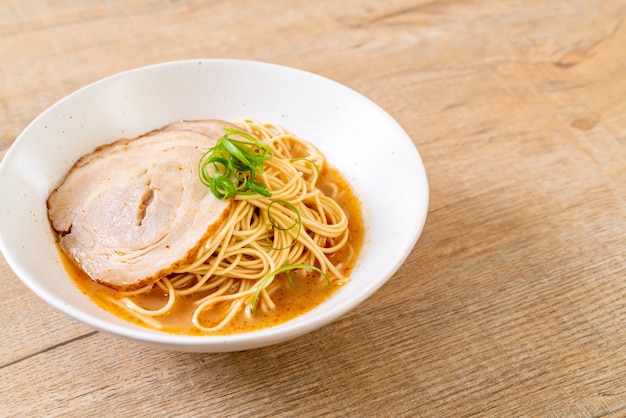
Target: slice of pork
133,211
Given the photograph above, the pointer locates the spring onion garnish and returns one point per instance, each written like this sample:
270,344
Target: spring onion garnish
230,167
286,268
296,224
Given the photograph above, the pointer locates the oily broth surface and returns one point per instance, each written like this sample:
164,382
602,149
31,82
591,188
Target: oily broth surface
291,300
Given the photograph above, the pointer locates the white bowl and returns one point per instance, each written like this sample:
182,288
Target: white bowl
359,138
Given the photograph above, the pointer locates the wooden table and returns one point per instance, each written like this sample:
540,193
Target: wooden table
513,302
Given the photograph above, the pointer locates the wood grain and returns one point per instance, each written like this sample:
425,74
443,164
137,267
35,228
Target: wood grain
513,301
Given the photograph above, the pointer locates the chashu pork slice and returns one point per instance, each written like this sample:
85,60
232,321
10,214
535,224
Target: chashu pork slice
132,211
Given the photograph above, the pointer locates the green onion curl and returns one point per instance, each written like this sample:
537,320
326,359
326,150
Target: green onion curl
230,167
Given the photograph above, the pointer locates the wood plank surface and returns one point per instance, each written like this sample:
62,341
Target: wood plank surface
513,302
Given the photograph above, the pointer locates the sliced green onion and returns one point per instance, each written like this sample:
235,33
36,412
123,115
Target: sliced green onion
297,223
230,167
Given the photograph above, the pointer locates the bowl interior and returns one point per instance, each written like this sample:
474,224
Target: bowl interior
359,138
